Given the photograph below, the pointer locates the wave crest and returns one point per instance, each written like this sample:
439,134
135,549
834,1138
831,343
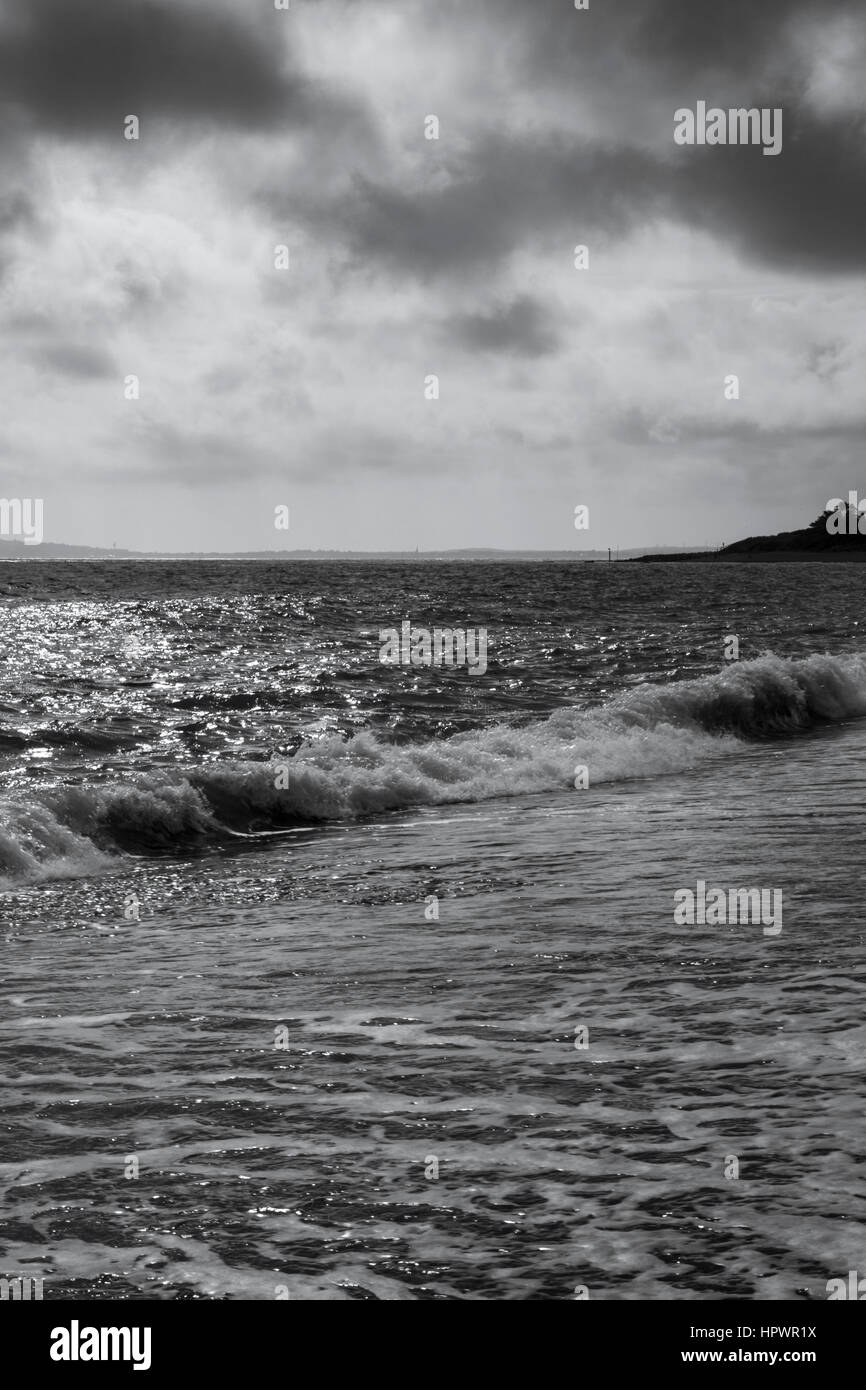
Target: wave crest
648,731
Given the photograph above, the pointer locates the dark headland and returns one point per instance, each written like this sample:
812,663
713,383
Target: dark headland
831,537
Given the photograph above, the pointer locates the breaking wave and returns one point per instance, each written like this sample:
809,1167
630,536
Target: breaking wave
648,731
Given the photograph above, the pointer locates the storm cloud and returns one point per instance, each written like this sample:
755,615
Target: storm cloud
524,327
79,68
284,260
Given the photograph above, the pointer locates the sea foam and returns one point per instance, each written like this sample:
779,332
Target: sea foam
649,731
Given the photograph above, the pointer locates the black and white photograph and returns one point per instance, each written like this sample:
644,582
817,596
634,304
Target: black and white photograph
433,666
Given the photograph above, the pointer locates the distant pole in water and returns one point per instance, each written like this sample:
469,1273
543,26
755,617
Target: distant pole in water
608,555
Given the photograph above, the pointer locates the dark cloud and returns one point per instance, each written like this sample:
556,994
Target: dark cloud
19,222
825,360
808,211
523,328
739,37
681,38
638,426
504,192
79,68
805,207
17,211
77,359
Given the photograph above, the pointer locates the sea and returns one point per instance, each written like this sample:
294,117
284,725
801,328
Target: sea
329,978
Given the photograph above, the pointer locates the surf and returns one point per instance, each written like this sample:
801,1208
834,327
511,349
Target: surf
649,731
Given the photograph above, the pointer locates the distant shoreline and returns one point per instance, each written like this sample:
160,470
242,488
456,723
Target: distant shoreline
761,557
50,551
823,541
503,557
832,538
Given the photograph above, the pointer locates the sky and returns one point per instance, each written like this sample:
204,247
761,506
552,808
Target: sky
264,387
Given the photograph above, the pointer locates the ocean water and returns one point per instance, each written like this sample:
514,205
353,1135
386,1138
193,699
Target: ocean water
245,1052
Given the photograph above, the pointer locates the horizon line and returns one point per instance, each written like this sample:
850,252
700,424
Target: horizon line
31,552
